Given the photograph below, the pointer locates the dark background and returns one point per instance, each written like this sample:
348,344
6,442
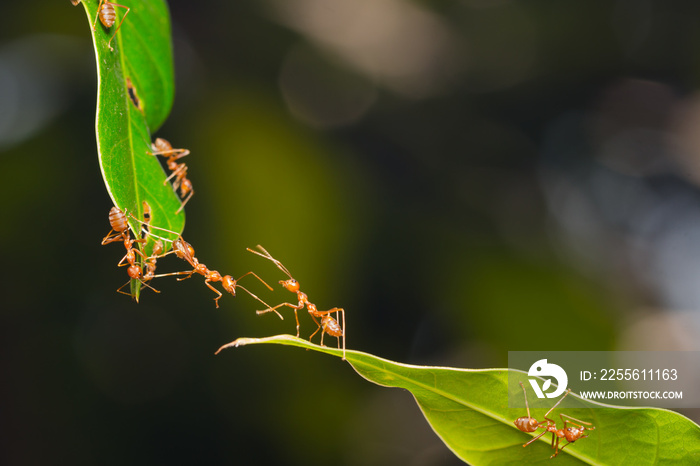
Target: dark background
465,178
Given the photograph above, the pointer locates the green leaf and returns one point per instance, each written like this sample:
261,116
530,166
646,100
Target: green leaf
468,409
134,97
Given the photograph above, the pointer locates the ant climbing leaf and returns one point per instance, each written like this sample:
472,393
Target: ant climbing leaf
468,410
134,97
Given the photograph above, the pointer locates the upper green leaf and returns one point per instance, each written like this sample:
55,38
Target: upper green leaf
468,409
135,94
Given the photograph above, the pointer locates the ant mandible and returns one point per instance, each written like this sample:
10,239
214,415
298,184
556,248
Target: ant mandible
179,170
327,325
530,424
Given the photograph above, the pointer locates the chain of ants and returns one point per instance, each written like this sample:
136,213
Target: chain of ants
573,429
119,220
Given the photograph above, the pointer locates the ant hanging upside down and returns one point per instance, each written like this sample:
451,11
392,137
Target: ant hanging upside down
179,170
120,232
327,325
107,15
570,433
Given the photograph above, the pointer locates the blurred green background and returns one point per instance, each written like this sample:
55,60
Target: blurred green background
465,178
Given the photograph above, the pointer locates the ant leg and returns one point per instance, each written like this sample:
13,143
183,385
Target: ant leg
260,300
120,24
180,153
556,451
169,153
562,448
148,232
562,415
182,204
343,312
121,263
112,238
267,256
148,286
527,406
253,274
174,273
535,438
119,290
556,404
319,328
176,172
335,310
207,282
274,309
330,311
189,274
94,24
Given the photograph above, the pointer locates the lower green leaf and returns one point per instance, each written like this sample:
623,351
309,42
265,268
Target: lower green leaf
468,410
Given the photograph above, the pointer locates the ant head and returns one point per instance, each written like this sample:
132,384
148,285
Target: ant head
134,271
290,285
572,434
229,284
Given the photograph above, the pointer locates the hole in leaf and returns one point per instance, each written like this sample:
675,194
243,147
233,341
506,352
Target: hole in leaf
133,95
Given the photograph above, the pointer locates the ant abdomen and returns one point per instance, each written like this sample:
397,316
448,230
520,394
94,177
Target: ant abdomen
108,15
117,220
331,326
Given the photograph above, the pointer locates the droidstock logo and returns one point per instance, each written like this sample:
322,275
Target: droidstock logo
542,368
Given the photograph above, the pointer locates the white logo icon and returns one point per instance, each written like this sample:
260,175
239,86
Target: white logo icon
542,368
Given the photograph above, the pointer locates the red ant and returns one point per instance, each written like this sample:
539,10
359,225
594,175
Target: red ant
135,271
150,261
530,424
179,170
328,324
185,251
107,16
120,232
120,227
227,281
